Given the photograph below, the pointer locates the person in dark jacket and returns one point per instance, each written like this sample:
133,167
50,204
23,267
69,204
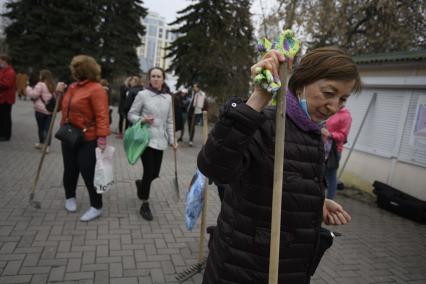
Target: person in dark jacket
7,97
240,152
181,103
135,86
123,116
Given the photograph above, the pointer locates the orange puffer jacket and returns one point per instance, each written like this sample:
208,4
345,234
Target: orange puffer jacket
89,109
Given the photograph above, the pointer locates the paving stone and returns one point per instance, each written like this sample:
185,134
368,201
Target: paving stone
130,280
11,268
79,275
35,270
74,265
8,247
157,276
15,279
102,277
39,279
57,274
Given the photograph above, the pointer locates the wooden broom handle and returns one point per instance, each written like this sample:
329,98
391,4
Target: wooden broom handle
274,254
204,211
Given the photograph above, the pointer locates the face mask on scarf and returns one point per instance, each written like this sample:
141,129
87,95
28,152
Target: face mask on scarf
304,105
2,65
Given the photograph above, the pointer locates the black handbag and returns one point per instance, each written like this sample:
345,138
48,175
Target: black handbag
325,242
333,157
50,105
69,134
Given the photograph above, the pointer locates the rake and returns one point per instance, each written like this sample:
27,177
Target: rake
192,270
34,203
175,180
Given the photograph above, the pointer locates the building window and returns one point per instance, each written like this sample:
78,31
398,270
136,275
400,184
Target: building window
152,30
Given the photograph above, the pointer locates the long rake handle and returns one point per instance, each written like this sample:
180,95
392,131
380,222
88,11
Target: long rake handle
373,98
204,211
174,149
274,253
43,154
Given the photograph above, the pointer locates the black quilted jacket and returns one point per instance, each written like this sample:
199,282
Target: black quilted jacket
240,152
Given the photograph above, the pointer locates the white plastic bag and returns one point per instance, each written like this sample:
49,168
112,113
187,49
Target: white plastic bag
104,175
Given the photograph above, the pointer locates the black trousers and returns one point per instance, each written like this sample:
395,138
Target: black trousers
5,121
120,123
191,125
81,160
151,161
123,118
43,123
184,118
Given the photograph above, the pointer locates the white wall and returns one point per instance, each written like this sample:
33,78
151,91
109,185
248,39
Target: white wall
382,151
363,169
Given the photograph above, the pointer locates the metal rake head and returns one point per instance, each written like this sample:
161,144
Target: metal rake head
191,271
33,203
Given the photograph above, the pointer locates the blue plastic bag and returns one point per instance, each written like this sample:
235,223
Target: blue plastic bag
194,199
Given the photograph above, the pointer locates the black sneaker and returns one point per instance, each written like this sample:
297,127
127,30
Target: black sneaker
138,183
146,212
180,139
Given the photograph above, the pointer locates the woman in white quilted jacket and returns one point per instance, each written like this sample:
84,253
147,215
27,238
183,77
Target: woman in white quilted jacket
153,106
41,94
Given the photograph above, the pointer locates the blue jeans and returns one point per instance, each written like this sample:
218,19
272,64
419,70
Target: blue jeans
43,123
331,176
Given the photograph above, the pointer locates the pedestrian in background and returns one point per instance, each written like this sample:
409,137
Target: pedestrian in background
7,96
123,116
181,102
335,134
40,95
195,111
240,152
105,85
153,106
21,85
135,86
84,105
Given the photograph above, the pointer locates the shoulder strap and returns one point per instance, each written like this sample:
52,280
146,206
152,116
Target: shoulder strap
41,98
69,105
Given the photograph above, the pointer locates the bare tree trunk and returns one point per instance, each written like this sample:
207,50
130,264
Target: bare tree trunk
291,12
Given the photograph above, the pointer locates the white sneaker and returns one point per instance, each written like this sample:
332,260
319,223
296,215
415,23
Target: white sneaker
70,204
91,214
38,145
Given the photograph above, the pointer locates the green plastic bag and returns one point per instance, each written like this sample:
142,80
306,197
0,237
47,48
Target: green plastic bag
136,139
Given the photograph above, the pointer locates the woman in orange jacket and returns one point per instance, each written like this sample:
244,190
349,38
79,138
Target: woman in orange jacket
84,105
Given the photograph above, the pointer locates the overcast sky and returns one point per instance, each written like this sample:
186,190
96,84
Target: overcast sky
168,8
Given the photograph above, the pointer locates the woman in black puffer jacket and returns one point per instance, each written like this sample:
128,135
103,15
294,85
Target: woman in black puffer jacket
240,152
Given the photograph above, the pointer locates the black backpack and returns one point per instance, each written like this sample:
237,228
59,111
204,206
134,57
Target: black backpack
50,105
396,201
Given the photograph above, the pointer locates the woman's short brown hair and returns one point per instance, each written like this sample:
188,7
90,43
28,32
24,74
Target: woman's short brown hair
324,63
84,67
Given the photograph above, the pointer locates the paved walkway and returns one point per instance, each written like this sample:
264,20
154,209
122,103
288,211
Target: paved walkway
51,245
